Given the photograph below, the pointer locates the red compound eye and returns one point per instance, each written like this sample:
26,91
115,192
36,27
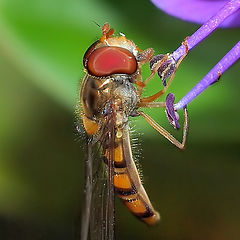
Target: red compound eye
106,61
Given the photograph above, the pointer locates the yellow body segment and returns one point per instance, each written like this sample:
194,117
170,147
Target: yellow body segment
122,181
90,126
151,221
136,206
118,153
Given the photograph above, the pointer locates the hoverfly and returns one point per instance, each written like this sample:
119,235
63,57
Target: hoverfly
111,92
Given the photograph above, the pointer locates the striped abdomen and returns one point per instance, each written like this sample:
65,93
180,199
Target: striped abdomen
127,181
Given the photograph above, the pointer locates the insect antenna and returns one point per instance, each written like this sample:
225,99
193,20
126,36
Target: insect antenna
96,23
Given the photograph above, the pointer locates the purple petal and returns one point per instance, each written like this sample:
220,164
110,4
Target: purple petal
198,11
172,115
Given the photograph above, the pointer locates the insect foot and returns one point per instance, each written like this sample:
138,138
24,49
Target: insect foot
165,65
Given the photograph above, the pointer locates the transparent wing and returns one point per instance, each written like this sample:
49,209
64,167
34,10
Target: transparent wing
99,210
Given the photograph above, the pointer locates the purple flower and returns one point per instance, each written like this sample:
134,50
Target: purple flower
198,11
213,76
213,14
225,63
229,9
172,115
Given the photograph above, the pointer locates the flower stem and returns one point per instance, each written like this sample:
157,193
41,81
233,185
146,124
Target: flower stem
226,62
228,9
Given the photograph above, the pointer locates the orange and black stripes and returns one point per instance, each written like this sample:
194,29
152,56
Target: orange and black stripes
135,198
123,184
118,156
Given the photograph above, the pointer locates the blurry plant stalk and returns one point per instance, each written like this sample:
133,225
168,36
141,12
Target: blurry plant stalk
213,76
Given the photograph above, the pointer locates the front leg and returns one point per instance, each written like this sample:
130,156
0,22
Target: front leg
142,58
157,64
165,66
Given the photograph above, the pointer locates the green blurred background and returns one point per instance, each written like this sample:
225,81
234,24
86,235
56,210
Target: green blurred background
41,160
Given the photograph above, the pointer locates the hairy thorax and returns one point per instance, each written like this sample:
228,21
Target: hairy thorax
99,96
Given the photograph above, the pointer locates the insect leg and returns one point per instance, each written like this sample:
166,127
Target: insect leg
165,133
144,57
160,93
152,104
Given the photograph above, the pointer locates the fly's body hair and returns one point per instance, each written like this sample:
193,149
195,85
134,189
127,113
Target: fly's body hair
136,146
80,131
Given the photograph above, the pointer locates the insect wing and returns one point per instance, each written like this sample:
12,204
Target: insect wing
99,211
